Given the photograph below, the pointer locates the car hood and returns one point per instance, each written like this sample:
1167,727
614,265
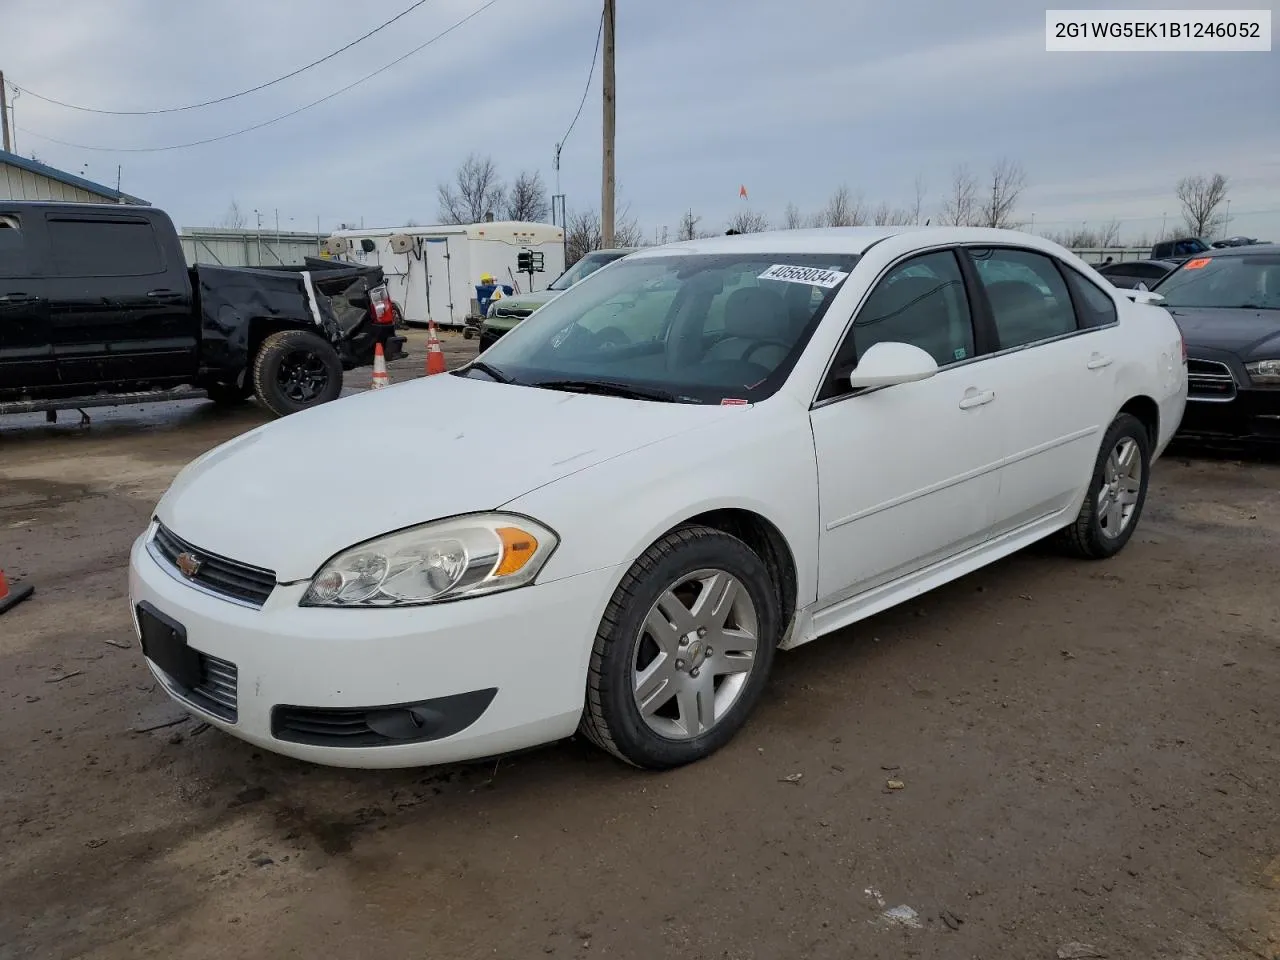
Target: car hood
292,493
1248,333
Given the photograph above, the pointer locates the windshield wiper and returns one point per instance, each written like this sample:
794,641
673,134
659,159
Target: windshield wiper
490,370
610,388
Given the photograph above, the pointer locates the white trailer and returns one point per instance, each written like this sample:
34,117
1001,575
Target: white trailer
432,272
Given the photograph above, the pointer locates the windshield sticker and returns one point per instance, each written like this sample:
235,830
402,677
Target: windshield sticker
733,403
1198,264
814,276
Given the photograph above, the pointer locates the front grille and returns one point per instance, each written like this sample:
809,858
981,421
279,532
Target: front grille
215,693
518,312
225,578
1210,380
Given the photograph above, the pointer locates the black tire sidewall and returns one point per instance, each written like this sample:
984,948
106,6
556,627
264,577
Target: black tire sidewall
267,363
630,734
1123,426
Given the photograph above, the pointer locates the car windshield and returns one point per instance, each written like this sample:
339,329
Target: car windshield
582,269
1249,282
694,328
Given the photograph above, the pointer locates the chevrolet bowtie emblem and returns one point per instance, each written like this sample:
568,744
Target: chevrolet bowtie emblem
188,564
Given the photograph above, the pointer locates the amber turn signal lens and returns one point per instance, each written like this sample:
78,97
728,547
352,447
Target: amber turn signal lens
518,548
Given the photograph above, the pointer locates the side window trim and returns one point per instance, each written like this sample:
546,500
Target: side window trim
980,344
998,350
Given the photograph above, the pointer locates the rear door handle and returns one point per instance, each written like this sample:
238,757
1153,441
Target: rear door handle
16,298
1098,361
976,398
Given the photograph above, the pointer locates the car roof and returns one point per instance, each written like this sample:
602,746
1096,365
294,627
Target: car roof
1250,250
844,240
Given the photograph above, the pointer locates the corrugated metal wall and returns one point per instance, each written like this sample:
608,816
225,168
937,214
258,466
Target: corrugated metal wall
19,184
248,248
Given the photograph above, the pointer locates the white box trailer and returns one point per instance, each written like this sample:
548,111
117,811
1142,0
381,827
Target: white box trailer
432,272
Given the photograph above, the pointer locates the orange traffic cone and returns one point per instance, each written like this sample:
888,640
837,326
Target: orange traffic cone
12,597
380,378
435,356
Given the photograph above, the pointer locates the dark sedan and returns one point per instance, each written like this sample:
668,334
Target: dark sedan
1227,304
1130,273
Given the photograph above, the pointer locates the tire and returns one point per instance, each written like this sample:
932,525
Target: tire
227,394
1101,529
681,677
397,316
296,370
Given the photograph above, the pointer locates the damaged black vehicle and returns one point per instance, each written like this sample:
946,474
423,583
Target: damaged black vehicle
1227,304
98,307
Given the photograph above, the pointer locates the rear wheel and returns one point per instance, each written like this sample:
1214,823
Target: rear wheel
683,651
295,370
1117,492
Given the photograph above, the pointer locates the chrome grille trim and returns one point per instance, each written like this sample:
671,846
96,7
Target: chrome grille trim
226,579
1213,379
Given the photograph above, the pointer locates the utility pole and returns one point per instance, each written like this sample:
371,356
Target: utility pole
4,114
606,192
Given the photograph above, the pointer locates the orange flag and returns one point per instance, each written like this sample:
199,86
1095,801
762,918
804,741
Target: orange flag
742,192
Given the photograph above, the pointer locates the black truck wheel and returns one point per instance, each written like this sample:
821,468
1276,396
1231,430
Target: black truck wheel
295,370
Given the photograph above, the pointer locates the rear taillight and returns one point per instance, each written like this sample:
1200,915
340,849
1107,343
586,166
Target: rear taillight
380,306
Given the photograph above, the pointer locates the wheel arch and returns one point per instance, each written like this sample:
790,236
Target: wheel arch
1147,412
765,540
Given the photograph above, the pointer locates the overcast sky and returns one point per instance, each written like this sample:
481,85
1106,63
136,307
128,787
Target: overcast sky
790,99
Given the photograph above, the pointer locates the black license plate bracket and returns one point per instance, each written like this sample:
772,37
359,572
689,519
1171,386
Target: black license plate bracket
164,641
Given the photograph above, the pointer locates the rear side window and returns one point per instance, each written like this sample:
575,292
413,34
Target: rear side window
1093,306
1028,296
105,248
13,248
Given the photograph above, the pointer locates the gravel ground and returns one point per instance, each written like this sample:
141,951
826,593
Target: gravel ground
1088,759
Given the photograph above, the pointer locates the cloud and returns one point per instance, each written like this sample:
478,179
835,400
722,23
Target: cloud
791,100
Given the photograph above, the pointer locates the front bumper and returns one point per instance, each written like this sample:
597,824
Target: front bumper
509,669
1252,415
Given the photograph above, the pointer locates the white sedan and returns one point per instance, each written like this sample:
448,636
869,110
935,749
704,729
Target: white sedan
612,519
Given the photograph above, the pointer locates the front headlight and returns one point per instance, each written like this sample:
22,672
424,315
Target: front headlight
1265,372
443,560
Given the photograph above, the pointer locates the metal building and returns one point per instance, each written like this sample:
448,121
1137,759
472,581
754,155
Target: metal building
248,248
24,179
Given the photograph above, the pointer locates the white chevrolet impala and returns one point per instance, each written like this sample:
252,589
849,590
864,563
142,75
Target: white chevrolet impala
612,519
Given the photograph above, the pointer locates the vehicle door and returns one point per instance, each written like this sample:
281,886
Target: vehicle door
1054,371
26,349
907,474
120,308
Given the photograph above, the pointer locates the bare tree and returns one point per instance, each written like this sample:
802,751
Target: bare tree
748,221
234,218
1004,187
582,235
626,229
844,209
958,210
917,206
1109,234
475,192
1201,197
792,218
891,216
527,199
688,229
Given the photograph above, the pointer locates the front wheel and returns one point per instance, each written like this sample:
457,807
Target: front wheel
1117,492
683,652
295,370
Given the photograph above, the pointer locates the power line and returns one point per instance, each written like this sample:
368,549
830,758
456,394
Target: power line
265,123
231,96
590,73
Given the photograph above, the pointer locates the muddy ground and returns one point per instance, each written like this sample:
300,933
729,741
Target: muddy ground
1089,753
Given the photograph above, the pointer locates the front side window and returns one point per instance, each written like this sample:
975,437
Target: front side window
1028,297
13,247
921,302
688,327
104,248
1251,282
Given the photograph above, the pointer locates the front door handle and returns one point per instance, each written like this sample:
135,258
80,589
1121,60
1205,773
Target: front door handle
16,298
1098,361
976,398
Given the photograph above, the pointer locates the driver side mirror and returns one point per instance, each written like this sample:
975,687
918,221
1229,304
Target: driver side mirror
889,363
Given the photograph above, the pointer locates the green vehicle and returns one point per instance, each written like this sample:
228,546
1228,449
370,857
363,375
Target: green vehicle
509,311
